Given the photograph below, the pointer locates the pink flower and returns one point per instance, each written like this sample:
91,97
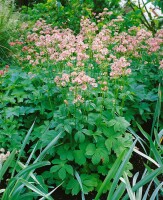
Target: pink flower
119,68
84,87
28,57
94,85
1,72
161,65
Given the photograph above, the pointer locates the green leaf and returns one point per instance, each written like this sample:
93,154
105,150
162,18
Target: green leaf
120,171
74,186
79,157
109,144
108,131
100,155
146,180
68,128
57,162
12,111
89,182
55,168
51,144
79,137
62,173
90,150
87,132
35,189
31,167
112,122
70,155
7,163
96,158
155,193
80,183
69,169
110,175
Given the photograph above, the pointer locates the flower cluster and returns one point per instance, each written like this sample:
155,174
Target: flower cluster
3,155
3,71
119,68
133,42
100,44
88,27
76,79
97,46
154,44
161,65
77,82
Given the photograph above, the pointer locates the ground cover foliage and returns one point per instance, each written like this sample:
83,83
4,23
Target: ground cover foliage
85,85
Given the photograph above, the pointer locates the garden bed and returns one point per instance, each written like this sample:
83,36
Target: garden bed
80,103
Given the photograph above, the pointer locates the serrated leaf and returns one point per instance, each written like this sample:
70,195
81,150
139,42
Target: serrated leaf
109,144
89,182
74,186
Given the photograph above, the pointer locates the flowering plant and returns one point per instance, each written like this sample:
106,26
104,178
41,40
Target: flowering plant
88,86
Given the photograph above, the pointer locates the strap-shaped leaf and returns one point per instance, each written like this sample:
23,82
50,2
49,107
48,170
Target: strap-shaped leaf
7,163
110,175
120,172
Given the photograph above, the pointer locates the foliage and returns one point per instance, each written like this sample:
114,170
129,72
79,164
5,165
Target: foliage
151,23
8,21
25,176
58,15
150,176
86,86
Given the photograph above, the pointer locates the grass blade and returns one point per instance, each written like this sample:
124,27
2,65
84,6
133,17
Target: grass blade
155,153
155,193
52,143
51,191
139,139
31,167
147,157
128,187
147,191
119,192
145,180
110,175
156,181
22,147
80,183
7,163
157,112
25,141
135,178
152,146
31,155
120,171
35,189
